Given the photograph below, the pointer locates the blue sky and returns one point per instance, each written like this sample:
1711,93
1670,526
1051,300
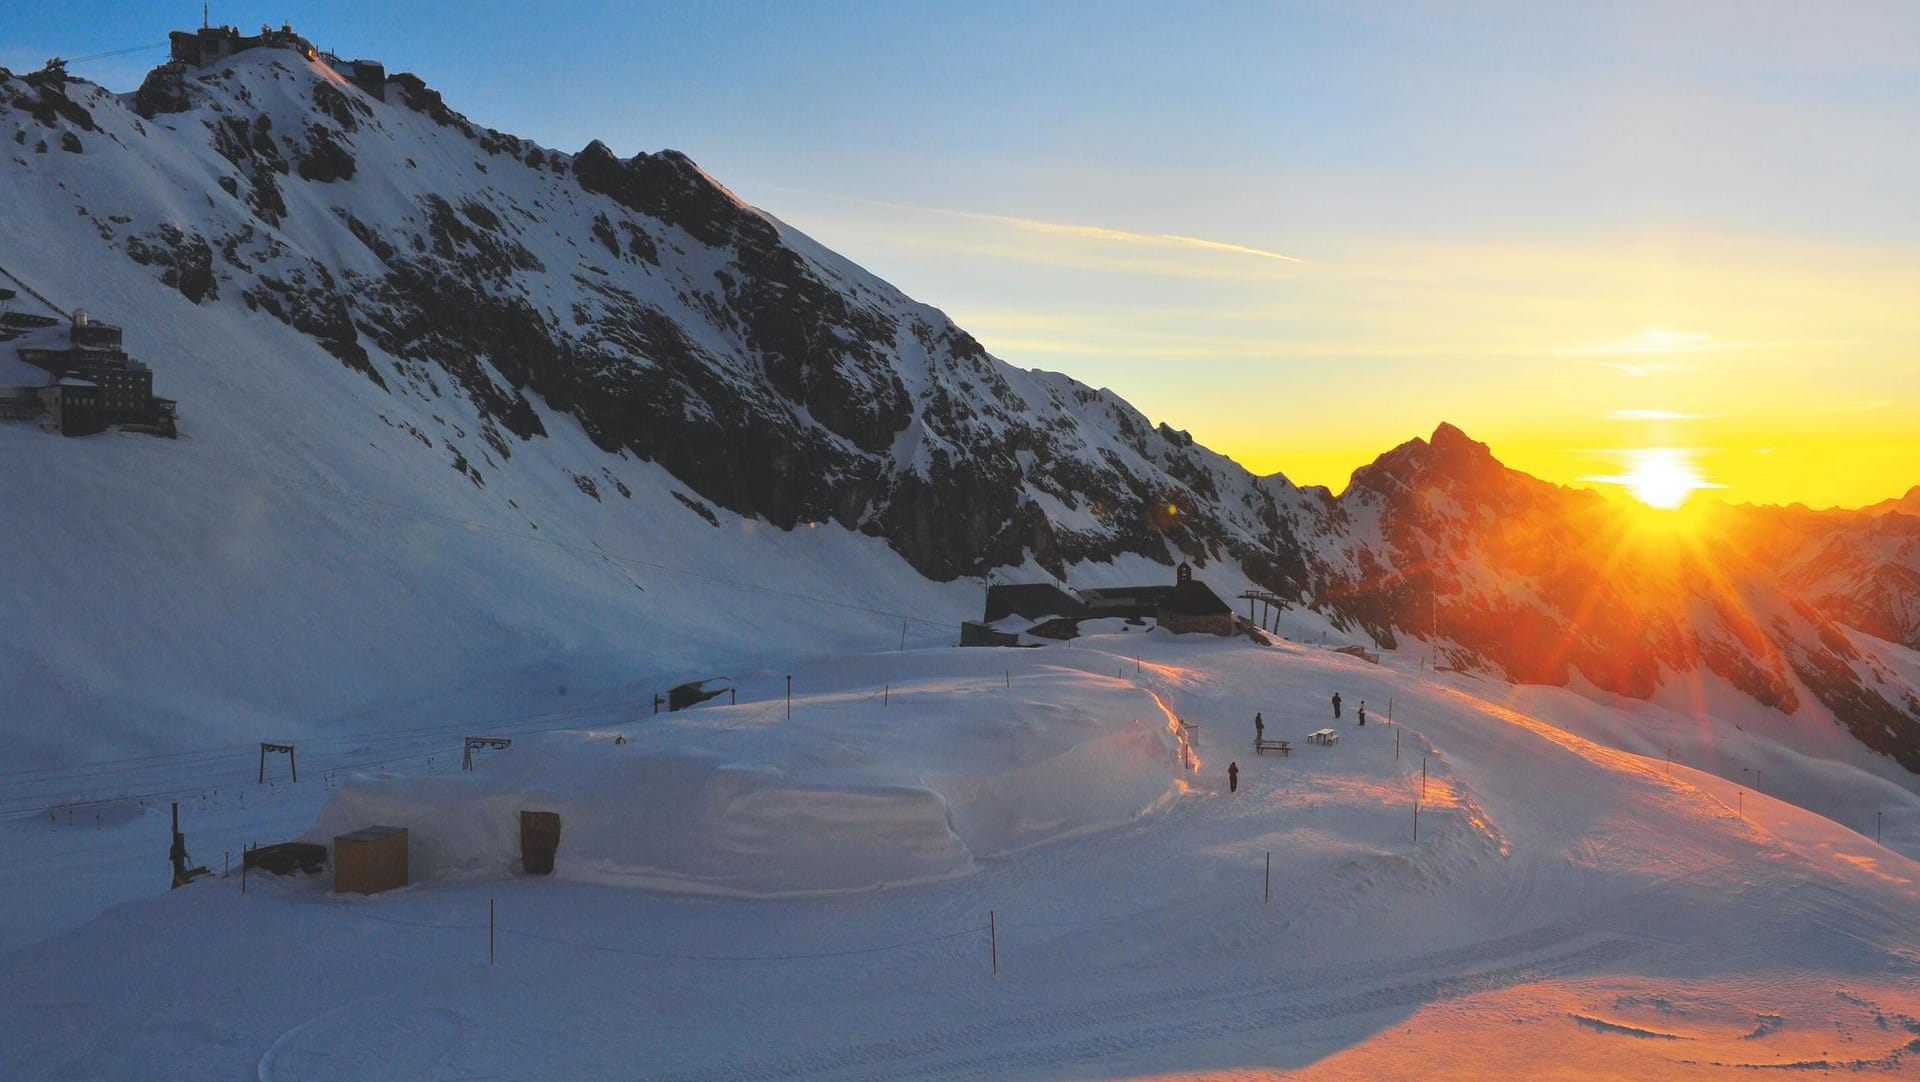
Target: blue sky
1547,223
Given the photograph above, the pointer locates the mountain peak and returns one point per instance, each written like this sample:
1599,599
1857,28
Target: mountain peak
1447,438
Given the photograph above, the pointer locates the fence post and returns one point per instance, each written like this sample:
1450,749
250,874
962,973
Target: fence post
489,931
886,694
789,696
993,942
1396,745
1416,822
1266,888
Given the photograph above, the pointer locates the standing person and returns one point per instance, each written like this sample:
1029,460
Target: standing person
1336,704
1259,728
1233,777
1362,711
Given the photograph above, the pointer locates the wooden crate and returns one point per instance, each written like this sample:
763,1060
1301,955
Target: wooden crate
370,860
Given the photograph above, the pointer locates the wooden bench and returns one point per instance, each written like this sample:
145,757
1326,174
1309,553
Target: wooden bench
1262,746
1324,736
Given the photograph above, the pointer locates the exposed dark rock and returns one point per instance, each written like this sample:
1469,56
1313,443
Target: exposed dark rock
185,260
164,90
323,159
696,507
310,301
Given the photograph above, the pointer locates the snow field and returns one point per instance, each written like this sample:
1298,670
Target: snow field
857,790
1558,888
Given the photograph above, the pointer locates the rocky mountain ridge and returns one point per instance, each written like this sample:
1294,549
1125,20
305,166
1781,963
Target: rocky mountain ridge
483,288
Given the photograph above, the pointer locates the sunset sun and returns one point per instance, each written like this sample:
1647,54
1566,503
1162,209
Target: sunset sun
1662,477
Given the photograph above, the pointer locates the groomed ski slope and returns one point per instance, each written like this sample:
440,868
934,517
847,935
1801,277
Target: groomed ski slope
1568,911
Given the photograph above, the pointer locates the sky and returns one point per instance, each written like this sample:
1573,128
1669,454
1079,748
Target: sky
1304,232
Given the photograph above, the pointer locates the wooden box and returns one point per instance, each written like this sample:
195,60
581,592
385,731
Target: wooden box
370,860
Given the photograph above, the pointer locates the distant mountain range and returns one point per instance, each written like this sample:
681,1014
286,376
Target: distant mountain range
424,275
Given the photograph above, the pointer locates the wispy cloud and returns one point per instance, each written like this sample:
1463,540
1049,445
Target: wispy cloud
1115,236
1655,340
1075,230
1658,415
1641,371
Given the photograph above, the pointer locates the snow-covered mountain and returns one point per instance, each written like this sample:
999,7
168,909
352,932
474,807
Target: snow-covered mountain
456,406
1545,584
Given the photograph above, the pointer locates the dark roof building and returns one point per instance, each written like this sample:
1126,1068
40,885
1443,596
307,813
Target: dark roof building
212,44
1131,601
1032,600
82,378
1191,607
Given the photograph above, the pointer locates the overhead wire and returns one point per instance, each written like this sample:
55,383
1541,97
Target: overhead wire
114,52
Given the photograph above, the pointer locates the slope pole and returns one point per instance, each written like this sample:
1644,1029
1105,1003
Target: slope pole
993,942
1266,890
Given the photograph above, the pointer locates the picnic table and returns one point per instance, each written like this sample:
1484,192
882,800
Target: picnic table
1261,745
1323,736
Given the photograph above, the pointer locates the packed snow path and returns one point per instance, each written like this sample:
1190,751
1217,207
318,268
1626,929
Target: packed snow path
1566,903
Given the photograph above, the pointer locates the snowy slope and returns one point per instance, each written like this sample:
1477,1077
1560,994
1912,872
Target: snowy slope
1566,907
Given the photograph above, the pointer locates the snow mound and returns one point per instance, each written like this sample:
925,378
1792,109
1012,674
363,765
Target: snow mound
856,791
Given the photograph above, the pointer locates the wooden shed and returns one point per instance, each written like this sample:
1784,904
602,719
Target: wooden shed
370,860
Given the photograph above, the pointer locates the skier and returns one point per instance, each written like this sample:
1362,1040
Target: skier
1233,777
1363,711
1336,704
1259,728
